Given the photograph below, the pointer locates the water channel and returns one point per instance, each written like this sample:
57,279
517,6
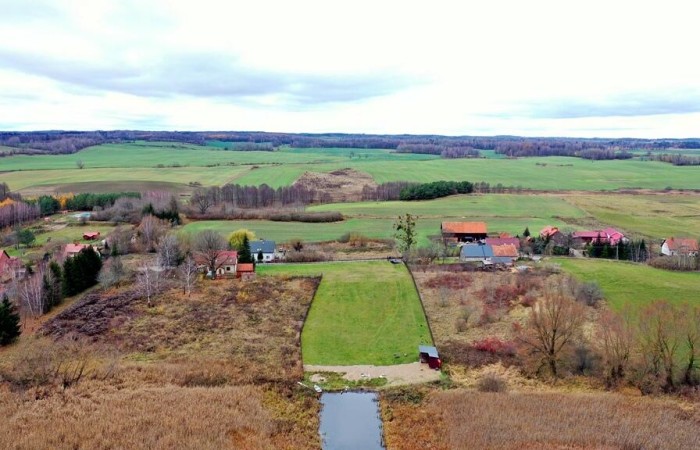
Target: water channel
350,420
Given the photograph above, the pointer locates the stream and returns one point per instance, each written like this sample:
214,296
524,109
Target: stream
351,421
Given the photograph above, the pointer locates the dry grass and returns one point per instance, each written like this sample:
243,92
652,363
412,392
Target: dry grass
216,370
98,416
461,419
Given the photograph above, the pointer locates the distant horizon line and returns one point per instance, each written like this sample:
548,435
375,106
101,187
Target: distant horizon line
344,133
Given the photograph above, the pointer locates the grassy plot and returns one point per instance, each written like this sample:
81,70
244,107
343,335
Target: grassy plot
655,216
503,213
363,313
552,173
635,284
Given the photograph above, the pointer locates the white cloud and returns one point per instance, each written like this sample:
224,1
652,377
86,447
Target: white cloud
503,67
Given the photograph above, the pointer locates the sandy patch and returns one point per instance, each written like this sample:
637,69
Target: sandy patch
396,375
340,185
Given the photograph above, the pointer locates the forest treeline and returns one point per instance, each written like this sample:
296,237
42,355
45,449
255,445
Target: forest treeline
62,142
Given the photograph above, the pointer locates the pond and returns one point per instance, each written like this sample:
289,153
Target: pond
351,420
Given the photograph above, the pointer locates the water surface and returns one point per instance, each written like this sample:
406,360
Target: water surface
351,421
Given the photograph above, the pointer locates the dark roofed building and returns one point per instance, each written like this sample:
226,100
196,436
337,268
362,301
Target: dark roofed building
475,253
267,248
429,354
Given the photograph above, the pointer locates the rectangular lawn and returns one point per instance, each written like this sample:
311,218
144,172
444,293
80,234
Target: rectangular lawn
363,313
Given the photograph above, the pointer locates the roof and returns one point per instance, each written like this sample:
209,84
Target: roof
503,241
548,231
590,234
91,233
245,267
464,227
429,349
507,250
607,235
682,244
476,251
262,245
7,261
74,248
227,257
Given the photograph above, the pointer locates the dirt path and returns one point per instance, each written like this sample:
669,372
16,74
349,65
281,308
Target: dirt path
396,375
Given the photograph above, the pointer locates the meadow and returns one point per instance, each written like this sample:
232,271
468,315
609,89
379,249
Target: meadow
656,215
363,313
634,285
212,165
509,213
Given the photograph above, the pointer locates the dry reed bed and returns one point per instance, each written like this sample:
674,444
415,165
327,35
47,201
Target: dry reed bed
99,417
462,419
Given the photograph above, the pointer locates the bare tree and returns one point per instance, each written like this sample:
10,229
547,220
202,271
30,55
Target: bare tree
147,282
150,231
112,272
660,340
691,334
202,200
615,340
31,295
168,251
209,246
119,240
188,270
554,324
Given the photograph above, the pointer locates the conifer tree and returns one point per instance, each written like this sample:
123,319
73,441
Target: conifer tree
9,322
244,255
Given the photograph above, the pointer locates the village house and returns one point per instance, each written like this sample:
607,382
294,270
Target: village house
226,263
476,253
504,241
607,236
266,248
10,266
680,247
554,234
71,250
463,231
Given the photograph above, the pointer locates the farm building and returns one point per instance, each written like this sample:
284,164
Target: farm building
266,248
553,234
476,253
429,355
245,271
548,232
463,231
504,254
73,249
504,241
91,235
680,247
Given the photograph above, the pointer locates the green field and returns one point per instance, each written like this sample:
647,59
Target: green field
212,165
503,213
635,284
656,216
363,313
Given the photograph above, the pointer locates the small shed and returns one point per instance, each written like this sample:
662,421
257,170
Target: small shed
91,235
429,354
245,271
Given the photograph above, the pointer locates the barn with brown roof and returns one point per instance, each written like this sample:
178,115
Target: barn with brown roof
463,231
680,247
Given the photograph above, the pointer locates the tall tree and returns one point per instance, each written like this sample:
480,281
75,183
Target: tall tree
244,255
405,232
209,246
9,322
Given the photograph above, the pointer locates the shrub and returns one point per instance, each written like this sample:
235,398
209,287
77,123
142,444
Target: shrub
495,346
305,256
492,382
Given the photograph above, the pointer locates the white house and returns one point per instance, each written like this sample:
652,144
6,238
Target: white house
680,246
266,248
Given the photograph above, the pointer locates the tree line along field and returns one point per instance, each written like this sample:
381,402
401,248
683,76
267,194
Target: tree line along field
363,313
185,163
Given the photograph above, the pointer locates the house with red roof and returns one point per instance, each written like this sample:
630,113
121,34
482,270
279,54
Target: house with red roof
515,242
91,235
680,247
463,231
226,263
71,250
245,271
607,236
10,266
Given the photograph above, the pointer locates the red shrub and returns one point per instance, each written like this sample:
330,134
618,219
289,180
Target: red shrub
450,281
495,346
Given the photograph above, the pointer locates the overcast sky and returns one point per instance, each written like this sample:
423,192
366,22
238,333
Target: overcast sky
538,68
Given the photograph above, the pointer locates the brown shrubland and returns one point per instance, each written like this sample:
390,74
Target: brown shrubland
462,419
